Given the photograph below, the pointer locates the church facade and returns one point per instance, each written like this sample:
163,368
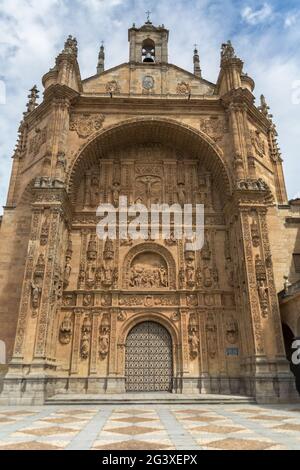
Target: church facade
81,315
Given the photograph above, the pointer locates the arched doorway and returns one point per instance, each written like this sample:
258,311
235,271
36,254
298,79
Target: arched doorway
148,359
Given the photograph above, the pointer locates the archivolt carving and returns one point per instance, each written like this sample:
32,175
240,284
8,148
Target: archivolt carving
138,130
168,279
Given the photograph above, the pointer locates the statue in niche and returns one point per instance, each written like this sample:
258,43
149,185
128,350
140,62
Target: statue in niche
232,331
190,274
94,191
81,276
107,276
207,275
194,344
115,193
36,292
199,278
115,277
67,271
215,276
263,298
211,336
98,277
181,194
108,249
181,278
206,252
90,273
104,343
65,331
85,338
104,339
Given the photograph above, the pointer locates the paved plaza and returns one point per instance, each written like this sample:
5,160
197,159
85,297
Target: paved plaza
150,427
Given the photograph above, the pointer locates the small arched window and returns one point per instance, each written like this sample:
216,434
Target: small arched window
148,51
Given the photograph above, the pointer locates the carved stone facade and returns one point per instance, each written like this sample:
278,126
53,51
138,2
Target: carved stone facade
74,310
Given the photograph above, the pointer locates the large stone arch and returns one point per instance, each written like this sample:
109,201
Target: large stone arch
152,316
151,129
149,247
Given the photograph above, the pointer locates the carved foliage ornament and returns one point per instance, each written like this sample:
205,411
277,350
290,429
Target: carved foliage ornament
86,124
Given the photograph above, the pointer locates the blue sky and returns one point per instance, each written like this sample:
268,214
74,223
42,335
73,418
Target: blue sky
266,36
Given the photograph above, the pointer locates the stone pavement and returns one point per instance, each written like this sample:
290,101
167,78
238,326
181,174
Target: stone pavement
151,427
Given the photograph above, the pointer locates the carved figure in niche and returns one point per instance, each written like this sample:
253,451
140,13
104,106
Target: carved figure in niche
194,344
67,271
36,292
181,278
115,193
286,285
232,331
81,277
190,274
115,277
207,275
215,275
98,278
65,331
255,234
90,274
263,298
107,276
104,337
94,191
181,194
211,336
199,278
108,249
206,252
85,338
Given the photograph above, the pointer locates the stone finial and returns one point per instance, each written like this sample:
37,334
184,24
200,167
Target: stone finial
32,102
71,46
196,60
264,108
101,59
227,51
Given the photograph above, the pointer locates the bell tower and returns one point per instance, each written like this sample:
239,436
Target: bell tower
148,44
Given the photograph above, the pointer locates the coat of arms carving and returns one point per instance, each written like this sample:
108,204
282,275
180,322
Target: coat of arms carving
86,124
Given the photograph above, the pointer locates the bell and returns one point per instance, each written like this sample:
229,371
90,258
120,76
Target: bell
148,57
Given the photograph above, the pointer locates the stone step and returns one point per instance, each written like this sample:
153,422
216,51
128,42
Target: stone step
146,398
